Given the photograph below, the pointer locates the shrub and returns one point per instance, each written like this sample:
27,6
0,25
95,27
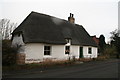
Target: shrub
85,59
110,51
101,58
8,53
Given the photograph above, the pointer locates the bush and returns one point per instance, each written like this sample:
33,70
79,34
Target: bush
8,53
110,51
101,58
85,59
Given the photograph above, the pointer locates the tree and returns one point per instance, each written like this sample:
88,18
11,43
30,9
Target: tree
102,43
6,28
8,52
115,41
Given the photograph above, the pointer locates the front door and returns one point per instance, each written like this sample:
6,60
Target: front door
81,52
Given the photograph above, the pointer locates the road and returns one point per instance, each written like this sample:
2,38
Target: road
94,69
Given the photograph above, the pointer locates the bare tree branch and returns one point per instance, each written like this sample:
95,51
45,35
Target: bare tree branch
6,28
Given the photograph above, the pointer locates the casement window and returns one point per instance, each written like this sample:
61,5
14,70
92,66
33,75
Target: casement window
47,50
67,49
89,50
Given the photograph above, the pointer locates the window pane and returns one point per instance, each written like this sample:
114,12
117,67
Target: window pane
67,49
48,47
45,47
47,50
89,50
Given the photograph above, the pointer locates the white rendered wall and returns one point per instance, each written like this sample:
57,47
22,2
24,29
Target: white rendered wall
94,52
34,52
74,51
87,55
18,41
58,52
85,51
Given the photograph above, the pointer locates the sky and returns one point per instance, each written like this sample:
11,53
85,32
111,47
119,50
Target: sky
119,18
97,16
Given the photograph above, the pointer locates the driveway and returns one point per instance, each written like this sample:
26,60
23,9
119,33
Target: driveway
94,69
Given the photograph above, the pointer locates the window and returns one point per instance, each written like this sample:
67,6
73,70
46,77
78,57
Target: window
67,40
47,50
67,49
90,50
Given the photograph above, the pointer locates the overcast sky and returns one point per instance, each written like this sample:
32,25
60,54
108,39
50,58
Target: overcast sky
97,16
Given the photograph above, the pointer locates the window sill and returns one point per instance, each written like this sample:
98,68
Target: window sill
47,56
67,54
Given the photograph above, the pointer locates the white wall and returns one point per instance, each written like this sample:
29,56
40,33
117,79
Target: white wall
87,55
18,41
85,51
58,51
94,51
74,51
34,52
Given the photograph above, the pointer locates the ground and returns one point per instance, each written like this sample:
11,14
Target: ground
94,69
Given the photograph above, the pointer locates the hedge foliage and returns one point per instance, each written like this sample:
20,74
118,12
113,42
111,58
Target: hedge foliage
8,53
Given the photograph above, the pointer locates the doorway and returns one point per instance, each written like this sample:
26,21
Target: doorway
81,52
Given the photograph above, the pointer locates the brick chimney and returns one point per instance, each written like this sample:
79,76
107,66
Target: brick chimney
71,19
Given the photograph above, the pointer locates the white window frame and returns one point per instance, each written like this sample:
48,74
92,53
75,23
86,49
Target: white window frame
47,50
67,50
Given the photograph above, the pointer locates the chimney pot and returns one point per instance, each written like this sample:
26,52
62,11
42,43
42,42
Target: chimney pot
71,18
72,15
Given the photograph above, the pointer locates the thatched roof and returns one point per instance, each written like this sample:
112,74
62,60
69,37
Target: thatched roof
42,28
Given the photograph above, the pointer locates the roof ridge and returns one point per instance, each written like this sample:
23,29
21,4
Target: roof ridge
49,16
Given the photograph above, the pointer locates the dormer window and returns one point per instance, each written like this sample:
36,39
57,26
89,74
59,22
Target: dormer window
68,40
